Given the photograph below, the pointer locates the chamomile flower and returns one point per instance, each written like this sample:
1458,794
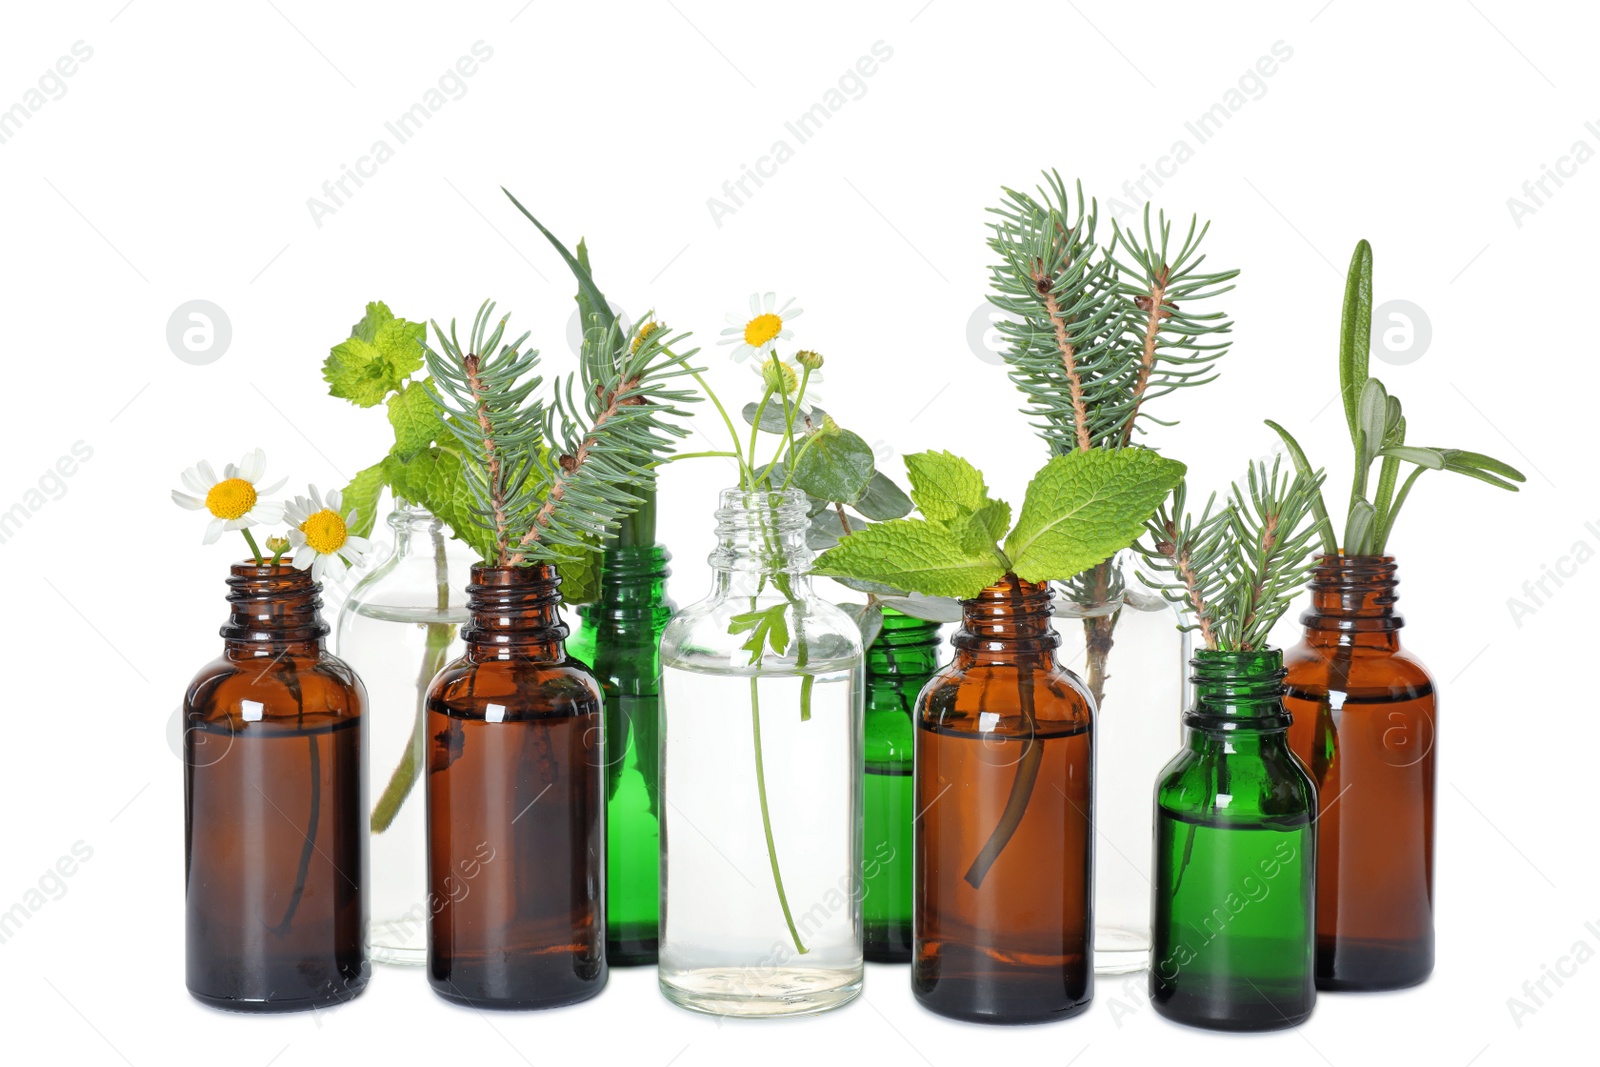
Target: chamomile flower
320,534
754,333
234,500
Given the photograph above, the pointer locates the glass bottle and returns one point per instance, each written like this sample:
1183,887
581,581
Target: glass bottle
761,778
1235,858
619,638
899,663
275,843
1123,640
1004,847
398,627
516,805
1365,716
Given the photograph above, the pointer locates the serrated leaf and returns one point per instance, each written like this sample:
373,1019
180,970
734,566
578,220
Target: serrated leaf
377,314
1083,507
415,418
882,500
832,465
772,417
436,479
381,354
363,494
915,555
767,627
944,486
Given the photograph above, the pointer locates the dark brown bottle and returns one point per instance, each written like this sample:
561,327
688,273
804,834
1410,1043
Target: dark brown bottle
516,805
1003,844
275,845
1364,725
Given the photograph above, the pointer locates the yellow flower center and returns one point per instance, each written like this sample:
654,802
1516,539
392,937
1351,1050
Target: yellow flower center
325,531
231,498
761,329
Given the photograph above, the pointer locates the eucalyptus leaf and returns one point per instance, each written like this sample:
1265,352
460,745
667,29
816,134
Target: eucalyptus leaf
883,500
833,465
869,619
877,589
826,529
772,419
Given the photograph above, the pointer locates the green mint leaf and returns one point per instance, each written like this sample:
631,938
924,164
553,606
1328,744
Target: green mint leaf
580,575
833,465
1083,507
436,479
990,522
381,354
944,486
415,418
922,557
362,494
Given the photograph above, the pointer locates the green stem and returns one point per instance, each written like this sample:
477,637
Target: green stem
700,455
255,550
1381,540
755,427
733,433
766,815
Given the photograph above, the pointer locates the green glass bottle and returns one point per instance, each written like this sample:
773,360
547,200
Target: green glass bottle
619,639
1235,863
900,661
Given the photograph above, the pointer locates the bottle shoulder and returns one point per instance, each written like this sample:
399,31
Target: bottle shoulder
1001,699
512,690
1236,782
1317,668
272,688
716,628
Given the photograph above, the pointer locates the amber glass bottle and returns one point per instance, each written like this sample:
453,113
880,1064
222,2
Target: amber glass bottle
275,842
899,663
1004,846
1364,725
516,805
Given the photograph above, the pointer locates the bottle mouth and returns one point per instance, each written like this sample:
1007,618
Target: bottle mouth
785,508
1243,689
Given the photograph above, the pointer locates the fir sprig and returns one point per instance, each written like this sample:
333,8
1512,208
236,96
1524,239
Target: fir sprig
549,480
1236,570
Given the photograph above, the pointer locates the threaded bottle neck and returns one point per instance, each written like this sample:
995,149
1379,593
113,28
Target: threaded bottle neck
273,606
515,614
1008,619
760,534
1353,595
905,646
1237,690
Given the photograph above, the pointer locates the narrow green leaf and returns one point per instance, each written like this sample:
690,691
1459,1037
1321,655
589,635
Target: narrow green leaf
1355,332
1422,457
587,289
1302,467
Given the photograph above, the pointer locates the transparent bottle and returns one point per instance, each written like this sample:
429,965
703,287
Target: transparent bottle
1123,640
1235,857
761,779
398,627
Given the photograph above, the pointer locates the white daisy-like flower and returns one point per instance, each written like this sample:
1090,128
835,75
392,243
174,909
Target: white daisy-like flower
234,500
755,332
783,378
320,534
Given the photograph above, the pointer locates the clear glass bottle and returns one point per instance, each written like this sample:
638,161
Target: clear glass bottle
275,846
1235,857
1004,842
1365,723
1123,640
761,778
619,638
398,627
516,805
900,661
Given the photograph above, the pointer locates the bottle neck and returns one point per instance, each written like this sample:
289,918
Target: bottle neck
633,585
273,609
761,544
1007,624
1239,692
905,646
515,614
1352,602
415,528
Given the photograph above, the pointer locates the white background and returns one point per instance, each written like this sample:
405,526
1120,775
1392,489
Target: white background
177,165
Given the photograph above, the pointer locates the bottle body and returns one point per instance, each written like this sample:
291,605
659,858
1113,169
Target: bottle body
515,806
1365,725
761,778
1234,860
899,663
398,628
275,842
1123,640
1004,841
620,641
